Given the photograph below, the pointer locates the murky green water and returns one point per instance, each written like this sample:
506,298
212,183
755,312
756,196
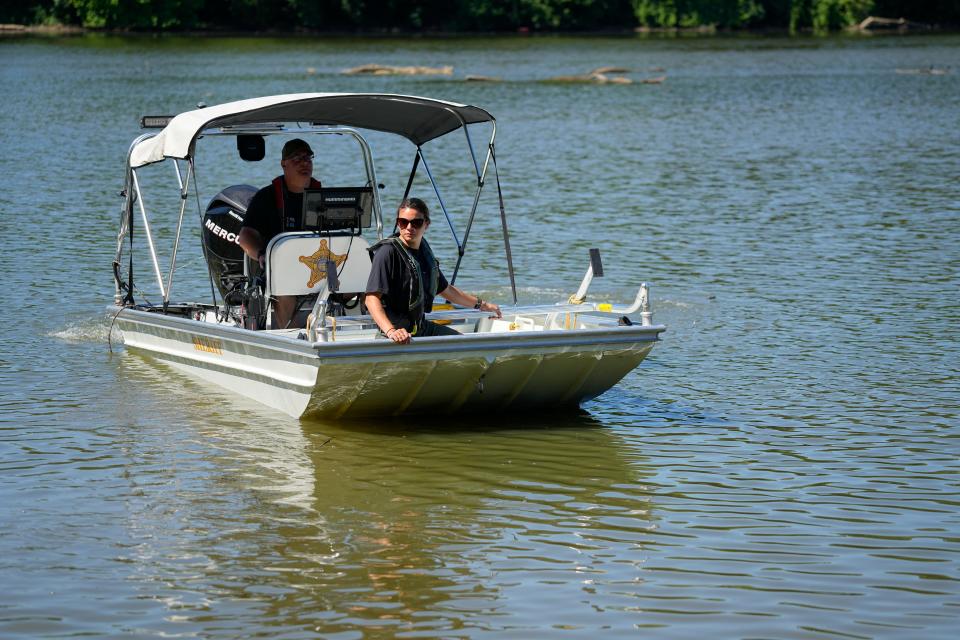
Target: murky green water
784,465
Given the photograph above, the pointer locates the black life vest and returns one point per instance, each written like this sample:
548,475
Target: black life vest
417,297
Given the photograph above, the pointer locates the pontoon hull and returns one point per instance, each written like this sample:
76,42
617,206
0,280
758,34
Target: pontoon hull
492,372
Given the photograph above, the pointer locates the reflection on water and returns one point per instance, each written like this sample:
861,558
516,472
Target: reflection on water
384,526
782,465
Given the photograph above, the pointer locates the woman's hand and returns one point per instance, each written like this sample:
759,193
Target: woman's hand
400,336
491,307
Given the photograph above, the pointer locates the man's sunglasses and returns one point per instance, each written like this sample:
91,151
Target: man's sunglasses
416,223
301,157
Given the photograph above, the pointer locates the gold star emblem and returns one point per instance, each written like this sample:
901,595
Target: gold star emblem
317,263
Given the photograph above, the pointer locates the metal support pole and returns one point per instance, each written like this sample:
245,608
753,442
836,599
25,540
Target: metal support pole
436,190
481,181
146,227
126,227
503,223
413,174
184,186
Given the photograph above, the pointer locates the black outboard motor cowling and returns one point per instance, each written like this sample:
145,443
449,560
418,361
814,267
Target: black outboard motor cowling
221,228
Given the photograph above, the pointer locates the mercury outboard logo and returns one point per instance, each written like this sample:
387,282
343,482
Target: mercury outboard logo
220,232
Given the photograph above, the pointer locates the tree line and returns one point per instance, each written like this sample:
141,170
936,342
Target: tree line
469,15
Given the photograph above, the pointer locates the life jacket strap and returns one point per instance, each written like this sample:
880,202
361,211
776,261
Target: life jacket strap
278,198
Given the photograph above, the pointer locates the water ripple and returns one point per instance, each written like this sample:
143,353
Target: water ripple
783,465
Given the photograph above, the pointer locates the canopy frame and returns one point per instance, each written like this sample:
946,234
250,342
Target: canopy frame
178,139
420,120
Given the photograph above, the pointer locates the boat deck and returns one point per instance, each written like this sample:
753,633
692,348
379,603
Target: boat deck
466,321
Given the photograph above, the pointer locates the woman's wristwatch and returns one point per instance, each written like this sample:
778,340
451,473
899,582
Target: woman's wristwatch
479,303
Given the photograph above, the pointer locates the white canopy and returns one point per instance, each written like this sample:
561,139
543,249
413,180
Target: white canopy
417,119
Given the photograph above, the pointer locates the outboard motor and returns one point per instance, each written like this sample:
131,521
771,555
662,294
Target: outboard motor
221,228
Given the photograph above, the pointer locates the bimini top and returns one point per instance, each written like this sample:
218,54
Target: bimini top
417,119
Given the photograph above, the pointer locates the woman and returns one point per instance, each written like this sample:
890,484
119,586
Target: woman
405,277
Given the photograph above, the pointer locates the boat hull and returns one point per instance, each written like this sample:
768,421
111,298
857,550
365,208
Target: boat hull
444,375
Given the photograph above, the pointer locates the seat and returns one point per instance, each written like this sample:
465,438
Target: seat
297,264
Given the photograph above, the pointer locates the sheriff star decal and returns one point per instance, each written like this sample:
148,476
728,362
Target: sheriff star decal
317,263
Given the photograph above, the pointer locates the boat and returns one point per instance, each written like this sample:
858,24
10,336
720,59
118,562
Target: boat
334,363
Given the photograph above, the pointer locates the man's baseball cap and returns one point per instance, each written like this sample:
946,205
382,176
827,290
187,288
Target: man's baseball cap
293,147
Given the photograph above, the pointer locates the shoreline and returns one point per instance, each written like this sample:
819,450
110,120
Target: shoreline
704,30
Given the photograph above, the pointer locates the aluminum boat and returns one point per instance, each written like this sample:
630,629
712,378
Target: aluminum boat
333,361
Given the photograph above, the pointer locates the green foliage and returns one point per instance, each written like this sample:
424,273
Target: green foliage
574,14
481,15
695,13
836,14
470,15
928,11
20,12
130,14
259,14
827,15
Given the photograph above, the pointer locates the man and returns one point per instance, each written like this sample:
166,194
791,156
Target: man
405,277
277,208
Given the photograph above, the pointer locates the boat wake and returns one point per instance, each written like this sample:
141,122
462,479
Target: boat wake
91,329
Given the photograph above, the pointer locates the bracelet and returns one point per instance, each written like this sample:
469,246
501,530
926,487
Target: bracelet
479,303
390,330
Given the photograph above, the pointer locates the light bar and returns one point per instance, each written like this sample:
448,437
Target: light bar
253,126
154,122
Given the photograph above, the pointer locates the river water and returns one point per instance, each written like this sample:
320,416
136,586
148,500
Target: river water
784,464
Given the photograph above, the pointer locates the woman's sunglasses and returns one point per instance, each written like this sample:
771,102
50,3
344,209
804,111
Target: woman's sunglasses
416,223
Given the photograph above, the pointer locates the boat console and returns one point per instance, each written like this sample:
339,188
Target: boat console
343,209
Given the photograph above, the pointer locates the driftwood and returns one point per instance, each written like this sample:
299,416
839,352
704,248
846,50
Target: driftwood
927,71
600,75
10,29
595,77
591,78
606,70
874,23
390,70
